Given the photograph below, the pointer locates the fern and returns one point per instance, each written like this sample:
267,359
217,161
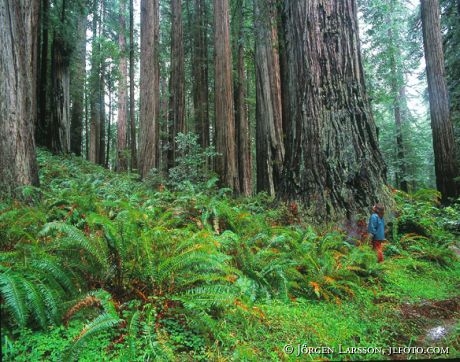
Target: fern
106,320
76,238
12,289
36,302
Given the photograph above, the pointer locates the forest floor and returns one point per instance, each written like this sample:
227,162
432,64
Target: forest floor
97,266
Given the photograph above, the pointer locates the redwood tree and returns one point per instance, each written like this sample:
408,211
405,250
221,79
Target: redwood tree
77,87
443,136
243,140
226,163
122,91
200,73
333,165
18,108
176,112
59,127
149,88
269,126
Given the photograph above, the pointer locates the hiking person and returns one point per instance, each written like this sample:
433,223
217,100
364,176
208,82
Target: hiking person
376,229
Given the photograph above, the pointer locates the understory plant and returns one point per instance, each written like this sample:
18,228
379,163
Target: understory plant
100,262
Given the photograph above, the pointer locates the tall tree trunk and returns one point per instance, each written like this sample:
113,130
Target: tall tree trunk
333,165
60,114
94,89
102,129
132,108
78,77
41,131
176,115
226,163
443,136
397,91
149,88
269,126
122,92
18,108
200,73
110,90
243,141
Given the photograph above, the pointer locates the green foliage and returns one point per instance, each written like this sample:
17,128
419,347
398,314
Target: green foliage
102,264
391,57
105,320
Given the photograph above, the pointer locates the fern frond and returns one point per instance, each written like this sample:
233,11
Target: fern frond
100,323
52,270
209,295
52,300
107,319
35,302
76,238
14,295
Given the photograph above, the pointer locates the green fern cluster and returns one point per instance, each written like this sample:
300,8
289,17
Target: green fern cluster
420,230
162,274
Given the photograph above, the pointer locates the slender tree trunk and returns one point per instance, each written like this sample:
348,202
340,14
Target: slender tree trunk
333,165
18,80
132,108
269,127
94,90
41,134
241,113
176,119
149,88
78,77
446,167
102,130
226,164
200,73
122,92
60,114
109,123
397,91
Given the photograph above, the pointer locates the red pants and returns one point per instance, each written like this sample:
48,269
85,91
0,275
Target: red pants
378,247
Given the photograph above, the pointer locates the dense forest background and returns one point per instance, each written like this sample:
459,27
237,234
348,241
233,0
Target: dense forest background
186,180
119,82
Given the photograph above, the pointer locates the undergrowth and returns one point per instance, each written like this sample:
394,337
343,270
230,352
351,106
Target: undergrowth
96,263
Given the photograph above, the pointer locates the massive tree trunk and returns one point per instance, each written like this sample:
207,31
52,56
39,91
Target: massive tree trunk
269,127
443,136
200,73
333,165
176,114
226,163
149,88
18,108
78,76
122,92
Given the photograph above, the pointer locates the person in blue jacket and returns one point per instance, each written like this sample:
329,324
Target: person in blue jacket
376,228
